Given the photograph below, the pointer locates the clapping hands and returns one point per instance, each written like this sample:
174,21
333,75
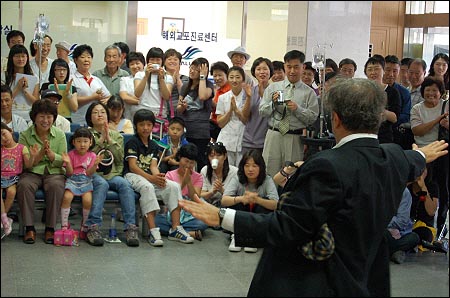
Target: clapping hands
218,186
105,133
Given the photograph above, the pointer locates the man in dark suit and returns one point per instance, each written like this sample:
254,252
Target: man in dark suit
355,188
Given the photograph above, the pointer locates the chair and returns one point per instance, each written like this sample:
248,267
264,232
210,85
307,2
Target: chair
74,126
112,197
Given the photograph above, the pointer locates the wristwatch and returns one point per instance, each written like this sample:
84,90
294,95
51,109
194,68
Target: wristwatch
221,215
202,77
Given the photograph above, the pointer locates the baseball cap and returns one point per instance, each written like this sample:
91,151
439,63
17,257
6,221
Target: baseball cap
63,45
50,93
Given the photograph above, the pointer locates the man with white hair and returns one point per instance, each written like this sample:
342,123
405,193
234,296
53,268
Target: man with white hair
239,57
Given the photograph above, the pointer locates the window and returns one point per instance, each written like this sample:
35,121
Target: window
435,41
425,42
422,7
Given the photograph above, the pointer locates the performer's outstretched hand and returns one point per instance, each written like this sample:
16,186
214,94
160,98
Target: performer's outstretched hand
433,150
202,210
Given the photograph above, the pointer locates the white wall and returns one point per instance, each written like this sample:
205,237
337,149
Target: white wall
298,22
199,17
344,24
266,36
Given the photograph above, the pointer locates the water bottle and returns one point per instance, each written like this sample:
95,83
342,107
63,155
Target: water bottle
112,228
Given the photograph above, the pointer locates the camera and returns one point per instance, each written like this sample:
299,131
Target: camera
280,99
155,66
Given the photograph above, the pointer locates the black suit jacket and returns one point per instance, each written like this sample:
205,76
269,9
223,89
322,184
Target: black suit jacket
356,189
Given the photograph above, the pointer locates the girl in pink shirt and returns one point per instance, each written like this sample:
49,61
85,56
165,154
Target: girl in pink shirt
191,183
81,164
14,157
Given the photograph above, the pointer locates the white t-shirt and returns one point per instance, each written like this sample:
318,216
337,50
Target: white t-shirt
421,114
151,97
44,74
127,85
84,89
20,105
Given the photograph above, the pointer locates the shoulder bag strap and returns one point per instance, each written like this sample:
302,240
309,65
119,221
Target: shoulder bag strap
172,112
443,106
161,107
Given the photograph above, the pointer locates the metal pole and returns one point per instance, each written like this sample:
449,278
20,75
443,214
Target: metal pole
244,24
40,63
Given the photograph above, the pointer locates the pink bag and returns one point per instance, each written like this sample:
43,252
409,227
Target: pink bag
162,124
67,237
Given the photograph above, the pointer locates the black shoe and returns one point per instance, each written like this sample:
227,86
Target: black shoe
437,246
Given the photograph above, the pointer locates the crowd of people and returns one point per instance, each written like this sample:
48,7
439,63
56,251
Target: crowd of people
232,140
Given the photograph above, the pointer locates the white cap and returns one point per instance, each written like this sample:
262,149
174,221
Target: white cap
239,50
63,45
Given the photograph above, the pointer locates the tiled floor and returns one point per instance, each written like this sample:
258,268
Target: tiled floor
201,269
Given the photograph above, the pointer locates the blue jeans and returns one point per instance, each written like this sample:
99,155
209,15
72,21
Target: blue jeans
164,225
126,196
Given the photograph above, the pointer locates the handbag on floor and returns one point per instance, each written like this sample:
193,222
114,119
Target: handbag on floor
67,237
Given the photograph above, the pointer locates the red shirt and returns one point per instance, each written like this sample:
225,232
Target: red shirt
220,91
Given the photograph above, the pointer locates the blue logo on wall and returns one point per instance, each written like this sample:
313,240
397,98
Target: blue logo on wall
189,52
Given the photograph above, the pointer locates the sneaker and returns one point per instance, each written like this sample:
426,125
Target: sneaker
154,237
94,236
398,257
232,246
132,235
180,235
250,249
8,229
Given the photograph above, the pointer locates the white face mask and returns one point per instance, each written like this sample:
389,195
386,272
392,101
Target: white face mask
214,163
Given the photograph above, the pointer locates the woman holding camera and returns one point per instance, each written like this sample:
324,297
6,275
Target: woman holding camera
153,86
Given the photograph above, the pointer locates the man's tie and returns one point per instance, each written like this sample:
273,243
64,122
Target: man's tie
283,126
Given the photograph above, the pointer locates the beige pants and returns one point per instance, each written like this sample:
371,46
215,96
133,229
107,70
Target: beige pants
279,148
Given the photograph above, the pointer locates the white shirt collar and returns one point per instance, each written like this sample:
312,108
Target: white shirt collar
354,136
